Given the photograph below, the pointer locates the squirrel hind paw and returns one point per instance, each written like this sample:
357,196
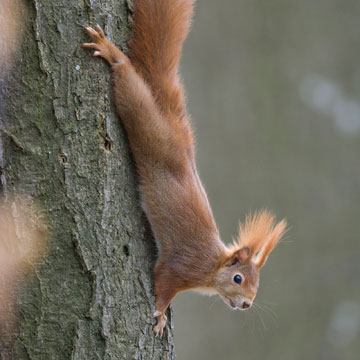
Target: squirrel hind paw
103,47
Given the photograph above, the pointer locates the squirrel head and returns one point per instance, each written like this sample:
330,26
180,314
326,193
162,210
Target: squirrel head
237,279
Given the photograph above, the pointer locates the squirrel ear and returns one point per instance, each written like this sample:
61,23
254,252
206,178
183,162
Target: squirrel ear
240,255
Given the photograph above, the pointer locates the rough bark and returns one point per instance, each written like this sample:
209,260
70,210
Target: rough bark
62,143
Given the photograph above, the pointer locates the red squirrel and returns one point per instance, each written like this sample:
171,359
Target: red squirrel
150,101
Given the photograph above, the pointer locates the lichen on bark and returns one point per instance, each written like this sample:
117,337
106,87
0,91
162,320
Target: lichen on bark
62,144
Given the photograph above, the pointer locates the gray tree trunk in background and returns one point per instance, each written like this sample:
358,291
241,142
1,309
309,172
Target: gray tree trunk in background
63,145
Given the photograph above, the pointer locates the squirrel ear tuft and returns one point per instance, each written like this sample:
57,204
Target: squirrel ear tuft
239,256
273,238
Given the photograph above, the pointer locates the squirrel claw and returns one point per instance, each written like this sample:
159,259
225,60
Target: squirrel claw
158,330
90,45
95,36
161,322
100,31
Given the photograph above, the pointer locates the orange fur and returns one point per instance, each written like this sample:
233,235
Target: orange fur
150,101
260,233
160,28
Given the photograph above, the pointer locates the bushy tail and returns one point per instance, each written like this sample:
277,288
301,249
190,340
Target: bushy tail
159,30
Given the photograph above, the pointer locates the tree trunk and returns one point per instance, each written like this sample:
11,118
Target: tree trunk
61,143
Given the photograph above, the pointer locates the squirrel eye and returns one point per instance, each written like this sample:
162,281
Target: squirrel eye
238,279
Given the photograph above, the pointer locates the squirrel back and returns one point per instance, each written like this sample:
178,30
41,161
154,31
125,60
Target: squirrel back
159,30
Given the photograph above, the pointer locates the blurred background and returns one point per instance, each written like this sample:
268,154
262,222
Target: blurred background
274,92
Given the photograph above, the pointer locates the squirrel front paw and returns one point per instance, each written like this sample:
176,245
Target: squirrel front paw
161,322
103,47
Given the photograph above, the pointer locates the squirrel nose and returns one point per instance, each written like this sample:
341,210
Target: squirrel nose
245,305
